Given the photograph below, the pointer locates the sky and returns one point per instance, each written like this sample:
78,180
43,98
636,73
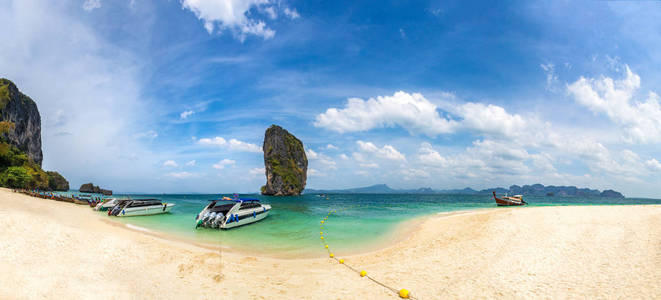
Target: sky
175,96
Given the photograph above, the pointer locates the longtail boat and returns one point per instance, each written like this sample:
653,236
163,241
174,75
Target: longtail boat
515,200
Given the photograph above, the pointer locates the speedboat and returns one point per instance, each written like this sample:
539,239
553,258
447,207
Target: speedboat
139,207
229,213
106,204
515,200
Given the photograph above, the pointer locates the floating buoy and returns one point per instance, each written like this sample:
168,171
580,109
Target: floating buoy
322,237
321,232
326,246
331,255
404,293
322,221
363,273
341,261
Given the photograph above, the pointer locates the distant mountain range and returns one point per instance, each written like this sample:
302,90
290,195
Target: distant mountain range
532,190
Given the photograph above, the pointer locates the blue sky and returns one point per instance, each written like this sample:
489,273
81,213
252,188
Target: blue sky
174,96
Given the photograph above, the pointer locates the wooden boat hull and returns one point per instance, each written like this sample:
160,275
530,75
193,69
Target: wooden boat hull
506,202
501,202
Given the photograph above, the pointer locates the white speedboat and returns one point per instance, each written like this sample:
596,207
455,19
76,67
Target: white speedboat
139,207
106,204
228,213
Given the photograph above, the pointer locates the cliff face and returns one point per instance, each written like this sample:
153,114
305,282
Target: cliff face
19,109
91,188
285,163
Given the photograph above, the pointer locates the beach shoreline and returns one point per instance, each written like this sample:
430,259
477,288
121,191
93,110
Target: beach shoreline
53,249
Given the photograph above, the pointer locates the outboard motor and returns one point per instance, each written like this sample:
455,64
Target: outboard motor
207,222
115,210
205,216
218,220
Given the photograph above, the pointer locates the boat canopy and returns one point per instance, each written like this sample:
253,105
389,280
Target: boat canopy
236,199
249,199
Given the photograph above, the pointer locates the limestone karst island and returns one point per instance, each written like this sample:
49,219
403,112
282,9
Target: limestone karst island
287,149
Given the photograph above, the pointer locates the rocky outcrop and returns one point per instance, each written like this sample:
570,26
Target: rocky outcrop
19,109
91,188
57,182
611,194
285,163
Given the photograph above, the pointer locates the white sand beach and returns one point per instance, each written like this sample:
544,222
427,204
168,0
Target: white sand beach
58,250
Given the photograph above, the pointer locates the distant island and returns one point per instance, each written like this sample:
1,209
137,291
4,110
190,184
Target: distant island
527,190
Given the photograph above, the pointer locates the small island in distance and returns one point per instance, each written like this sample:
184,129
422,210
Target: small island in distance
526,190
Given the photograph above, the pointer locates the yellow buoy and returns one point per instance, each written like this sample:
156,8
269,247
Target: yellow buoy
321,232
322,237
341,261
363,273
331,255
326,246
404,293
322,221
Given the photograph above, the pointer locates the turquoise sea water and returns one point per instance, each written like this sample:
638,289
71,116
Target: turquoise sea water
292,227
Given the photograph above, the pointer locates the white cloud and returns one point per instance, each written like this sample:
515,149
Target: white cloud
328,162
180,175
344,156
232,144
243,146
315,173
234,15
369,165
191,163
410,111
490,119
223,163
90,5
170,163
291,13
429,156
387,151
149,135
551,77
414,174
331,147
419,116
270,12
186,114
217,141
641,121
653,165
257,171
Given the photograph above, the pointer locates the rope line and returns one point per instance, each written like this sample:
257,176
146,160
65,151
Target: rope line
403,293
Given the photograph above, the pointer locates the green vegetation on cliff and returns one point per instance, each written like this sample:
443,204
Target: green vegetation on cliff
4,94
17,170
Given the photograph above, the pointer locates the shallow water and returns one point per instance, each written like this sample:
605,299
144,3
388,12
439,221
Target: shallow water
292,226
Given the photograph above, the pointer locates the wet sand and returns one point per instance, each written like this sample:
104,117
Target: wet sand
58,250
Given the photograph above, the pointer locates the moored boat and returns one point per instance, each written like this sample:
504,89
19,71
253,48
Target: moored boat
229,213
515,200
139,207
106,204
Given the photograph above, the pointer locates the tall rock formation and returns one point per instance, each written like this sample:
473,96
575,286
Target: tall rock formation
285,163
91,188
19,109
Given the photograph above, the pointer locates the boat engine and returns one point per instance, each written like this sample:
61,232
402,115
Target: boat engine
208,220
115,210
218,220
